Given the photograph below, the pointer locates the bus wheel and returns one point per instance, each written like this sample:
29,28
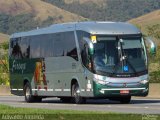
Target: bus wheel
76,98
125,100
27,93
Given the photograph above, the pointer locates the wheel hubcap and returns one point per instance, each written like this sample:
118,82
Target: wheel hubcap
28,93
76,94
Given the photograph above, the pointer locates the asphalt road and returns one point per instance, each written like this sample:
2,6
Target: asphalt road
137,105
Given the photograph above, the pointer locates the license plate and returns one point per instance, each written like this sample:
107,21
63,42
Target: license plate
124,92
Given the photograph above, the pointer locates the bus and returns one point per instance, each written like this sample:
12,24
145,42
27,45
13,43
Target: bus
78,61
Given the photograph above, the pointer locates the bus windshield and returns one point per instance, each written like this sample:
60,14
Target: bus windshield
119,55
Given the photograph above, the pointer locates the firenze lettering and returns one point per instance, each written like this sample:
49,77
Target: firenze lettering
18,66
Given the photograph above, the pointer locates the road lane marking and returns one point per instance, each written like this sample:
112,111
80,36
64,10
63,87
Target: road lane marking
100,106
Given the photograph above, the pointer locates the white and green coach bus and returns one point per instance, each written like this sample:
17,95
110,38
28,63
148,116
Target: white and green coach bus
76,61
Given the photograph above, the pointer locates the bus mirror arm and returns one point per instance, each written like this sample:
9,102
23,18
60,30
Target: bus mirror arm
152,46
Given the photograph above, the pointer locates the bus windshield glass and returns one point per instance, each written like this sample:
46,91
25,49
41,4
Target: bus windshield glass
119,55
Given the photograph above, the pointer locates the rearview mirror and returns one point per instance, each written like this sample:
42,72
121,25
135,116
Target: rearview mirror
152,46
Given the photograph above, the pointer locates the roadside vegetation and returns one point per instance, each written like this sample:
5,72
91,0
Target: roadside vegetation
118,10
154,60
44,114
16,16
4,64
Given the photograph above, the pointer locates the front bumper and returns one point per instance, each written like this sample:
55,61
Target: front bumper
111,90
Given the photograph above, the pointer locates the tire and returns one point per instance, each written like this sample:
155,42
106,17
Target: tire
28,94
76,97
125,100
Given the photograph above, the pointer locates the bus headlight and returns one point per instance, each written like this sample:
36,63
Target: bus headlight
144,81
102,82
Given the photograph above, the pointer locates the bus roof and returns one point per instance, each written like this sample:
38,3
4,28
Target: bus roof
107,28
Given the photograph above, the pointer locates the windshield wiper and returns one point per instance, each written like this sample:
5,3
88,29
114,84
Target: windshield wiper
124,58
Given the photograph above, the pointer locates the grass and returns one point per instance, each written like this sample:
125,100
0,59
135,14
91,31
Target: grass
28,113
155,77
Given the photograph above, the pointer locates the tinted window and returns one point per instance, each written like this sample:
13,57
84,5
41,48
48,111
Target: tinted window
19,48
35,43
70,45
25,47
16,48
65,45
83,46
58,45
49,45
80,35
46,44
41,46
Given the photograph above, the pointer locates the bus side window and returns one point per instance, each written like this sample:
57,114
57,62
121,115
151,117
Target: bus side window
16,50
70,45
58,45
85,55
46,45
35,48
25,47
86,58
